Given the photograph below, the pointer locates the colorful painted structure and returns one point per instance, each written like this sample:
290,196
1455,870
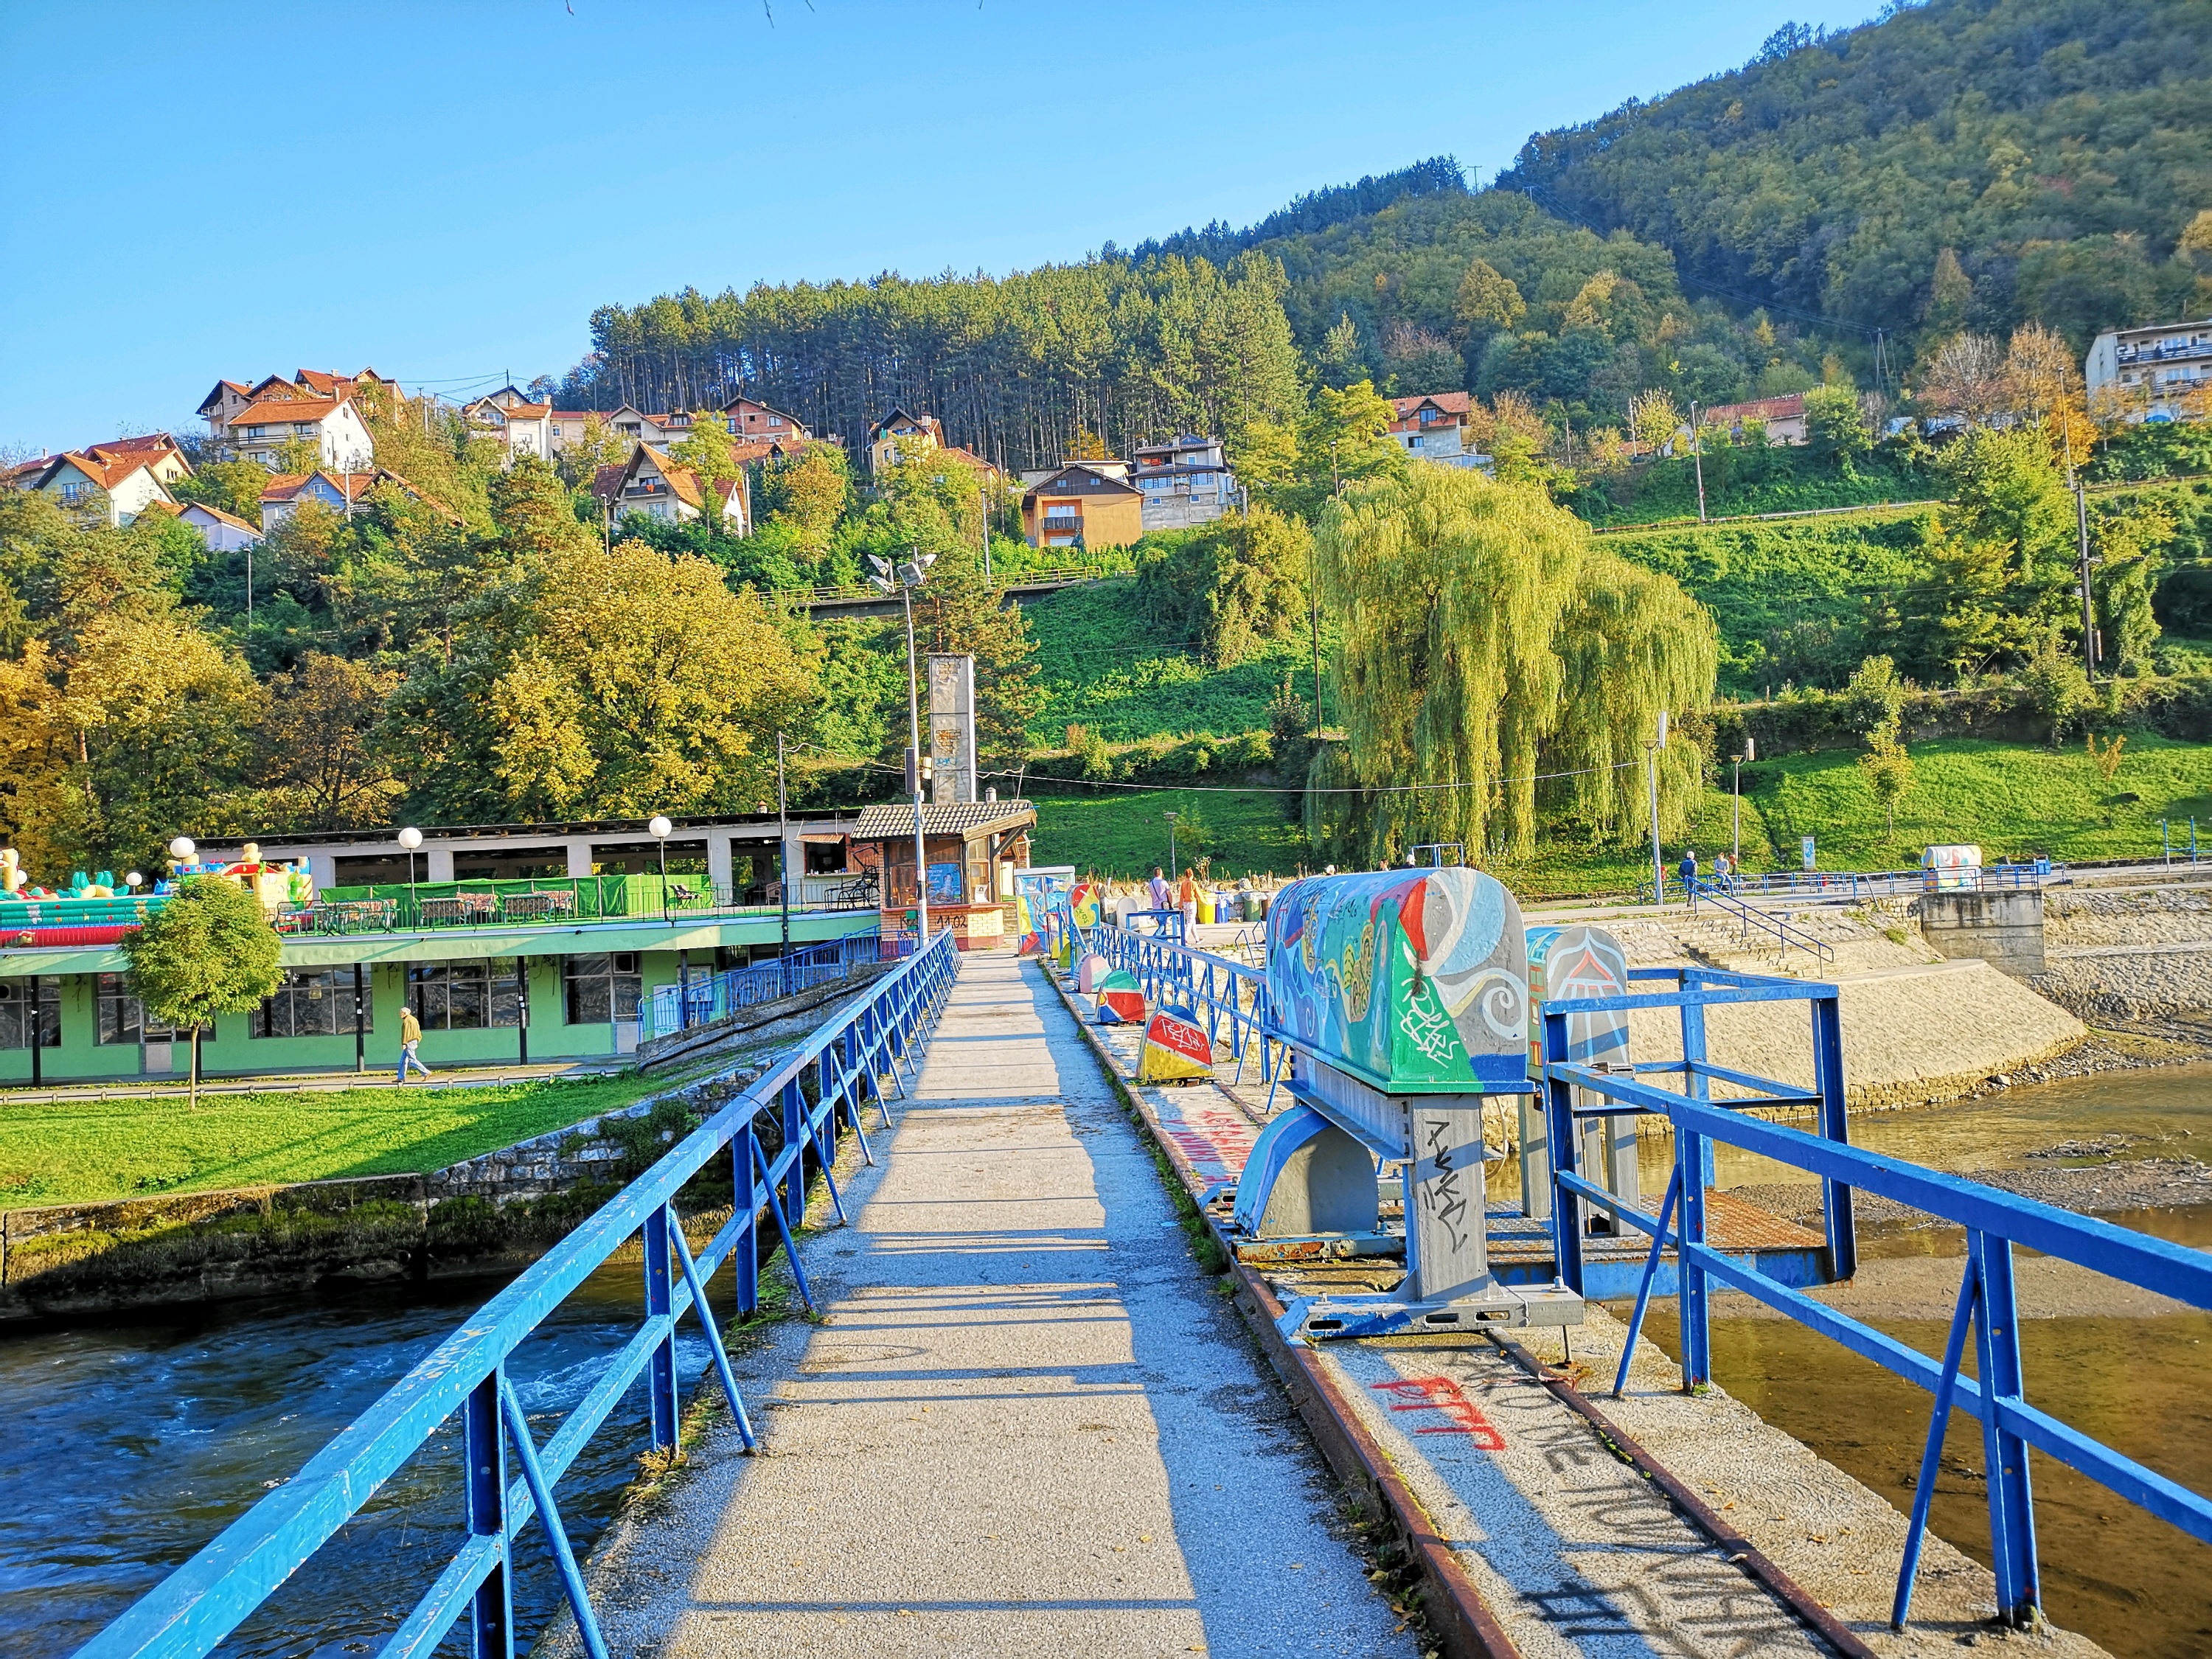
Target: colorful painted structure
1403,996
1574,964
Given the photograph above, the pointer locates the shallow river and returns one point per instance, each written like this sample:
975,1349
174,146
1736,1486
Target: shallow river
128,1445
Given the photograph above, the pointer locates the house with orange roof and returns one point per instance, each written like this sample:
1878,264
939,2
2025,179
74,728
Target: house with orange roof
749,418
340,491
224,403
900,436
260,431
123,478
650,483
1433,428
218,529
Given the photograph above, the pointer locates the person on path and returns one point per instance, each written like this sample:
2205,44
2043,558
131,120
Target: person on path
410,1035
1688,871
1186,897
1158,888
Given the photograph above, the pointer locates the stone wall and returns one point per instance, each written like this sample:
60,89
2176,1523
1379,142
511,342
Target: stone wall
2135,956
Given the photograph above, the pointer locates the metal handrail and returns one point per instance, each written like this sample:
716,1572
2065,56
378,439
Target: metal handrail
1994,1221
701,999
1785,935
196,1606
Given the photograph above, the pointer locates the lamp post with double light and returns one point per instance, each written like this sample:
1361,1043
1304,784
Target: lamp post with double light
903,579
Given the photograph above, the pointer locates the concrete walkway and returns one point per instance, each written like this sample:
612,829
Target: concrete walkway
1028,1425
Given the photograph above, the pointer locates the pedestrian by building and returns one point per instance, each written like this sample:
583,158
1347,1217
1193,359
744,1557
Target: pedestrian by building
410,1036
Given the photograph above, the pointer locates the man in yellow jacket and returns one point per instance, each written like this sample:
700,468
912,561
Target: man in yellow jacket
410,1035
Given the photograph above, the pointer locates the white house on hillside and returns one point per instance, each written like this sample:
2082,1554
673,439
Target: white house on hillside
259,432
221,532
1187,482
649,483
128,475
2159,374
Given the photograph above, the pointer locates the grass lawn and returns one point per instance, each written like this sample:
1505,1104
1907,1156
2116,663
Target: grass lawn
79,1149
1104,664
1124,832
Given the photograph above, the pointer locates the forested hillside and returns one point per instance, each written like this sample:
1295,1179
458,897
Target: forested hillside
1967,163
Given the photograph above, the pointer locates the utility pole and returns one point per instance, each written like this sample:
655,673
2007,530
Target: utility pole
1313,595
1651,774
984,499
1697,454
1750,752
2089,652
783,859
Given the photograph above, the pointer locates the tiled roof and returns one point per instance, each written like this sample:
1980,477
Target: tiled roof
968,458
216,513
1758,409
959,818
607,482
104,472
1452,403
153,444
1095,483
271,411
353,486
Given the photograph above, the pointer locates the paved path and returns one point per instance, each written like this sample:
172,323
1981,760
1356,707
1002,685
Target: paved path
1028,1424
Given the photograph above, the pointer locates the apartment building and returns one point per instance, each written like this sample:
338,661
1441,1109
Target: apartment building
1184,482
2159,374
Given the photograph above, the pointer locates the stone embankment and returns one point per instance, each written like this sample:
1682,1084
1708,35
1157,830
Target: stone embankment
1918,1028
483,1214
2138,956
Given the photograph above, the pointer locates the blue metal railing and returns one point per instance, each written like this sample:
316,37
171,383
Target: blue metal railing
1750,918
1224,996
1994,1221
866,1042
702,999
1857,884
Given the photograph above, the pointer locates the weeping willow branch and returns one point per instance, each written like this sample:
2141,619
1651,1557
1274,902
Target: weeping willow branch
1486,639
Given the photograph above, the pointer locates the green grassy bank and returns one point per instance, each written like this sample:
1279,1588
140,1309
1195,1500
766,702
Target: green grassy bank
2015,801
78,1151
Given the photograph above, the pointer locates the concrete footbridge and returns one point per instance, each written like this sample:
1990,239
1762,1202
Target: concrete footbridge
1120,1298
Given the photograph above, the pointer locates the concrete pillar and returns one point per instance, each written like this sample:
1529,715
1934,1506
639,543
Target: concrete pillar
323,868
717,859
580,857
2003,928
794,867
440,863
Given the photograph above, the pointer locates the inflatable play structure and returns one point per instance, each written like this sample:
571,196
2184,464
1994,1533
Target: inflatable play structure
1403,997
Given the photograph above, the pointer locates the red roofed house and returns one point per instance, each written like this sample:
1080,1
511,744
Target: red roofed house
748,417
1433,428
259,432
1783,417
221,532
222,404
340,491
125,477
649,483
528,428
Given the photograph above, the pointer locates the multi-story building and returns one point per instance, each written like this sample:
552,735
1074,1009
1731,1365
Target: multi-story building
261,431
1184,481
2162,373
749,417
537,942
221,408
649,483
900,436
1433,428
1083,504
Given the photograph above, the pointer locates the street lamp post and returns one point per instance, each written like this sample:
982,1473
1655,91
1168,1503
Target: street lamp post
1750,752
1697,454
410,838
1651,765
902,580
782,869
658,827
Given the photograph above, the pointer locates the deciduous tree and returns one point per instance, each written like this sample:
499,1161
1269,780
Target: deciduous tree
209,950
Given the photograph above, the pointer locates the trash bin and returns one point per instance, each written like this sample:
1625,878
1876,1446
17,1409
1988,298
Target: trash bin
1204,907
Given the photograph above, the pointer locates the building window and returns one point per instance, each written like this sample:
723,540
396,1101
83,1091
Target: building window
29,1005
313,1002
72,494
122,1017
466,996
602,988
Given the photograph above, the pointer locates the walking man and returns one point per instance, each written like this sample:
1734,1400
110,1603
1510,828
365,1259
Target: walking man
410,1035
1688,871
1158,887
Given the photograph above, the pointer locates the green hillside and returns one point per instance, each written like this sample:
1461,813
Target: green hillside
2057,149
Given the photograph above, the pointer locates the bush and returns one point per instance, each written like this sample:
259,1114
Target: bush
2182,602
1289,715
1090,749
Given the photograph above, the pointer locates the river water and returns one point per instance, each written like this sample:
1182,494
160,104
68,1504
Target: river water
128,1445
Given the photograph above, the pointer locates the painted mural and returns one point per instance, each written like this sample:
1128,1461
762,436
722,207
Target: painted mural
1568,962
1413,980
1034,889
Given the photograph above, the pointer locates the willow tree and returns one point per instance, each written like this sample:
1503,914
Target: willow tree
1484,641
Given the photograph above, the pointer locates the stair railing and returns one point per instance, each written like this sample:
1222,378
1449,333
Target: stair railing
1749,917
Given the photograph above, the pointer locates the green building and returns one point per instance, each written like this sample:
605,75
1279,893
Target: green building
529,968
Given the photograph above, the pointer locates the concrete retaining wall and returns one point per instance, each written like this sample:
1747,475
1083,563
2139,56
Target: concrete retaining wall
2003,928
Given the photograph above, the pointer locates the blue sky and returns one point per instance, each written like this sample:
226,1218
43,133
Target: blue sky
445,191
